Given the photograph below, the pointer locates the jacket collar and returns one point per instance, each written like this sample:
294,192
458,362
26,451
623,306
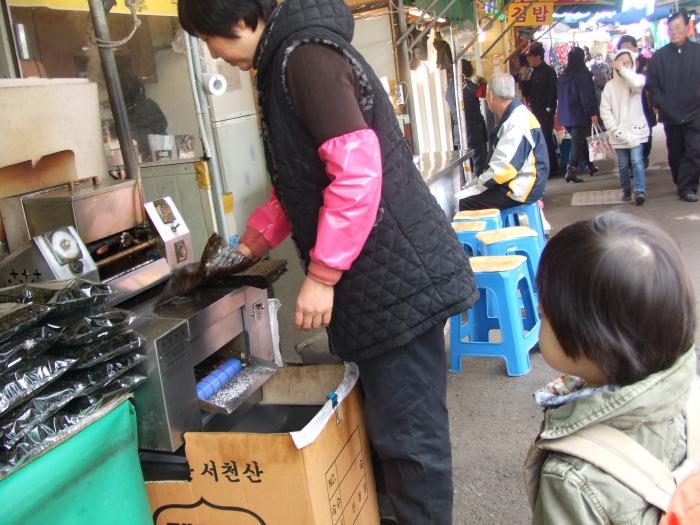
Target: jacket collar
506,114
293,16
658,397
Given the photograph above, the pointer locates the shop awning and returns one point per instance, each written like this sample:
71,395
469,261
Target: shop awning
459,11
152,7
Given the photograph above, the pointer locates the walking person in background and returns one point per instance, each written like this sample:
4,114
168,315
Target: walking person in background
674,83
477,139
540,89
622,115
600,70
630,43
577,110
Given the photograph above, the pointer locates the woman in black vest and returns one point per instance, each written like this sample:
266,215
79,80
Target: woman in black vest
384,270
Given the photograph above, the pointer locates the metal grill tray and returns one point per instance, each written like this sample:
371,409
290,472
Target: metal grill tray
234,393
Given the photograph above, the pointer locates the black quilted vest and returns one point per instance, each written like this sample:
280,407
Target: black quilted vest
411,273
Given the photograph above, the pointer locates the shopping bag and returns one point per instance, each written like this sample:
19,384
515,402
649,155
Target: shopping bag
599,147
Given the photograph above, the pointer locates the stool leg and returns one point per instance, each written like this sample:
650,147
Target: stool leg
526,296
518,358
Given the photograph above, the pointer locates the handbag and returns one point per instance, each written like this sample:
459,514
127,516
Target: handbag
599,147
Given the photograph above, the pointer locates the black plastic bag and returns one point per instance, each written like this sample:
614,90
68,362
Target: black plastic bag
15,424
17,386
63,297
90,328
16,317
99,376
103,349
26,345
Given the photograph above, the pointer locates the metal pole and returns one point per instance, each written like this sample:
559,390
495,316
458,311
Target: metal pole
114,89
459,95
192,45
505,31
9,65
407,33
405,73
430,25
485,28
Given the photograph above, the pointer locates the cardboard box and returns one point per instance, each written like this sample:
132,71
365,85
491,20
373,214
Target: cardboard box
319,475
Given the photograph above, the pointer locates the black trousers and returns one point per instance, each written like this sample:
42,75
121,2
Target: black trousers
406,414
579,146
489,199
683,143
546,121
478,161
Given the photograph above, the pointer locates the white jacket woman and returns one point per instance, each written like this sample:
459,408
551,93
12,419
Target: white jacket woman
623,115
621,106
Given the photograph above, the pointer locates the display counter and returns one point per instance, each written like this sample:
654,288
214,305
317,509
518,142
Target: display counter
444,174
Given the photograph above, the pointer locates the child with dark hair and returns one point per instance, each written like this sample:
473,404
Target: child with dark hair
618,317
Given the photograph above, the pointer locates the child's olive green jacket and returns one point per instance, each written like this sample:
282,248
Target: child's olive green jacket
652,412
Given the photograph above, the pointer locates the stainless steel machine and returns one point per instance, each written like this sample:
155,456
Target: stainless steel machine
99,231
182,333
95,230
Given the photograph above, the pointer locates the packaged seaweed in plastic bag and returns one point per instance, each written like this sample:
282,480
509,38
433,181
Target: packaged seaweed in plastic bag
100,375
26,345
15,424
88,404
63,297
38,438
26,381
16,317
103,349
90,328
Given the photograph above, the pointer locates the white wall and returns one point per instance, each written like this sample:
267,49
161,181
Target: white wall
373,40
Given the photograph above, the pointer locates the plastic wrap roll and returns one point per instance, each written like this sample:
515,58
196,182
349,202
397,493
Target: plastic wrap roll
214,84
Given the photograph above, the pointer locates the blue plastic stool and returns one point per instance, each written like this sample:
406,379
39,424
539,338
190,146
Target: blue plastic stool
492,217
511,217
514,240
466,235
501,278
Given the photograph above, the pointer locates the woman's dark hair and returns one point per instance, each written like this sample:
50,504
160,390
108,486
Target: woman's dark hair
218,17
615,290
576,61
467,68
629,39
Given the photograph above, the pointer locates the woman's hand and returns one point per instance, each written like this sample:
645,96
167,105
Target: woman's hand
245,251
594,119
314,305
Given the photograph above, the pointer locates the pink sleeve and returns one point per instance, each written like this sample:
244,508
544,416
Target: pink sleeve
354,165
270,221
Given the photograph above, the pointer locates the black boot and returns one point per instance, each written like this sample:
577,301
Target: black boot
571,175
592,169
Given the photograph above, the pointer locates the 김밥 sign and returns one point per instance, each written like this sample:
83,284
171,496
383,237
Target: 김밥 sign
540,13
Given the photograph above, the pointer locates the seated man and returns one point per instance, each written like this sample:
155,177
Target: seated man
518,167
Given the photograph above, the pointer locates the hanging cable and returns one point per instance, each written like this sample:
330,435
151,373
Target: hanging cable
133,6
